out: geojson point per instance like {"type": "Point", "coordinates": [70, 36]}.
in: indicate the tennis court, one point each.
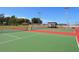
{"type": "Point", "coordinates": [39, 41]}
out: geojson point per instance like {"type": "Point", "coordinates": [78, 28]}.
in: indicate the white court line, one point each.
{"type": "Point", "coordinates": [12, 36]}
{"type": "Point", "coordinates": [18, 38]}
{"type": "Point", "coordinates": [77, 41]}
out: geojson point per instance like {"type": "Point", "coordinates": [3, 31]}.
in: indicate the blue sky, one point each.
{"type": "Point", "coordinates": [47, 14]}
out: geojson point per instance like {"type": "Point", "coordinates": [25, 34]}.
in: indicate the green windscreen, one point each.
{"type": "Point", "coordinates": [8, 29]}
{"type": "Point", "coordinates": [39, 27]}
{"type": "Point", "coordinates": [45, 27]}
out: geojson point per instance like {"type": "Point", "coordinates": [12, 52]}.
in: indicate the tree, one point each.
{"type": "Point", "coordinates": [27, 21]}
{"type": "Point", "coordinates": [36, 21]}
{"type": "Point", "coordinates": [20, 20]}
{"type": "Point", "coordinates": [23, 20]}
{"type": "Point", "coordinates": [1, 18]}
{"type": "Point", "coordinates": [7, 20]}
{"type": "Point", "coordinates": [12, 20]}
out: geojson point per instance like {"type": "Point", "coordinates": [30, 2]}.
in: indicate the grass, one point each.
{"type": "Point", "coordinates": [36, 42]}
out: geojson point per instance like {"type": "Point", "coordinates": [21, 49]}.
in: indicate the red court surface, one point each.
{"type": "Point", "coordinates": [77, 35]}
{"type": "Point", "coordinates": [53, 32]}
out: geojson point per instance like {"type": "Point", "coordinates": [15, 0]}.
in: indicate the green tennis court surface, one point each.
{"type": "Point", "coordinates": [36, 42]}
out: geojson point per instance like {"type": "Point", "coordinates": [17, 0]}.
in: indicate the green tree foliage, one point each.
{"type": "Point", "coordinates": [13, 20]}
{"type": "Point", "coordinates": [20, 20]}
{"type": "Point", "coordinates": [7, 20]}
{"type": "Point", "coordinates": [1, 18]}
{"type": "Point", "coordinates": [28, 21]}
{"type": "Point", "coordinates": [36, 21]}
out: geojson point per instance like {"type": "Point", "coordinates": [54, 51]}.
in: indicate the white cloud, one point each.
{"type": "Point", "coordinates": [21, 17]}
{"type": "Point", "coordinates": [7, 15]}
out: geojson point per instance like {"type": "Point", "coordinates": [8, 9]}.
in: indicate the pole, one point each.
{"type": "Point", "coordinates": [66, 15]}
{"type": "Point", "coordinates": [39, 14]}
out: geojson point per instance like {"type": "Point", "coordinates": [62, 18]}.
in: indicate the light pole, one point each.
{"type": "Point", "coordinates": [39, 14]}
{"type": "Point", "coordinates": [66, 15]}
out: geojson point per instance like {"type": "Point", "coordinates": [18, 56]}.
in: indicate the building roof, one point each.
{"type": "Point", "coordinates": [52, 22]}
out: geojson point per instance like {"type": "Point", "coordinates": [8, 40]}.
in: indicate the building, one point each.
{"type": "Point", "coordinates": [52, 24]}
